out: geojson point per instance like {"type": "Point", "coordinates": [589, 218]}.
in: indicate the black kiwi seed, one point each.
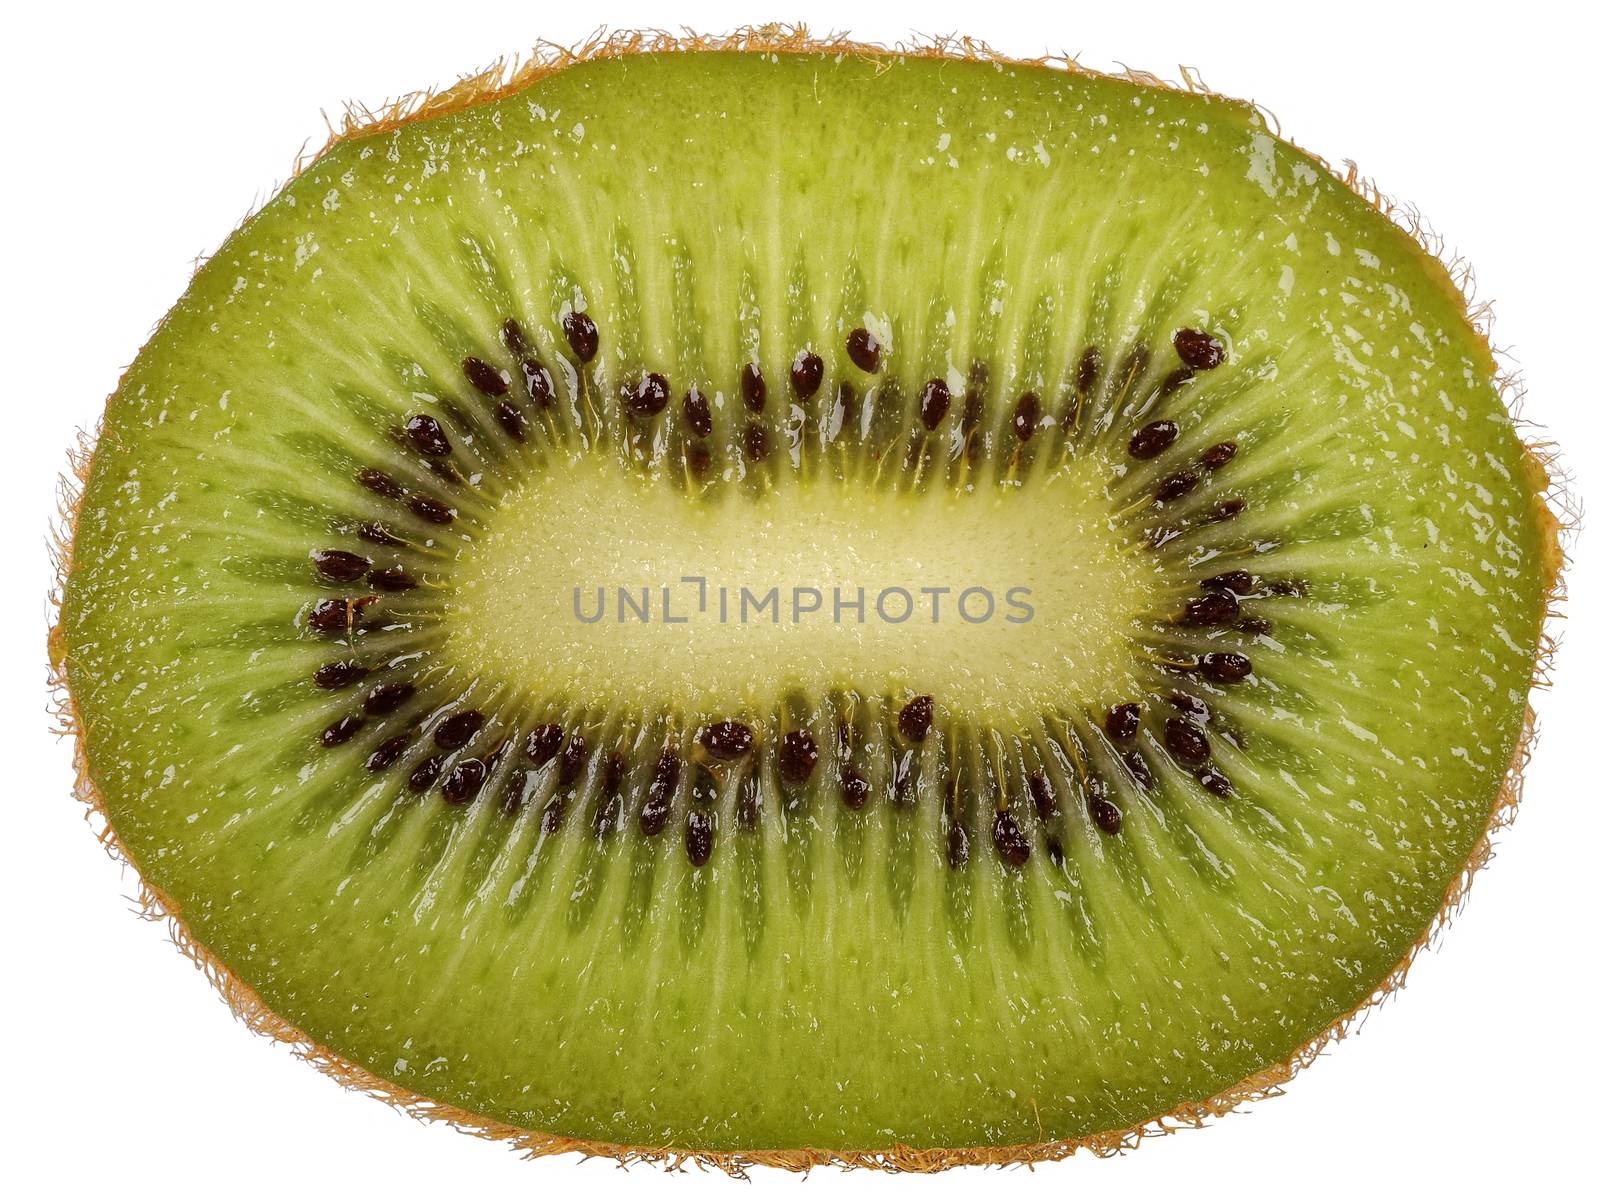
{"type": "Point", "coordinates": [1199, 349]}
{"type": "Point", "coordinates": [1122, 722]}
{"type": "Point", "coordinates": [1044, 795]}
{"type": "Point", "coordinates": [391, 579]}
{"type": "Point", "coordinates": [972, 411]}
{"type": "Point", "coordinates": [1152, 439]}
{"type": "Point", "coordinates": [431, 509]}
{"type": "Point", "coordinates": [426, 435]}
{"type": "Point", "coordinates": [698, 835]}
{"type": "Point", "coordinates": [379, 534]}
{"type": "Point", "coordinates": [1211, 609]}
{"type": "Point", "coordinates": [1008, 839]}
{"type": "Point", "coordinates": [1192, 705]}
{"type": "Point", "coordinates": [957, 845]}
{"type": "Point", "coordinates": [572, 758]}
{"type": "Point", "coordinates": [697, 412]}
{"type": "Point", "coordinates": [426, 773]}
{"type": "Point", "coordinates": [340, 566]}
{"type": "Point", "coordinates": [554, 812]}
{"type": "Point", "coordinates": [1105, 814]}
{"type": "Point", "coordinates": [1101, 811]}
{"type": "Point", "coordinates": [755, 442]}
{"type": "Point", "coordinates": [442, 468]}
{"type": "Point", "coordinates": [1224, 666]}
{"type": "Point", "coordinates": [657, 805]}
{"type": "Point", "coordinates": [1237, 582]}
{"type": "Point", "coordinates": [516, 791]}
{"type": "Point", "coordinates": [916, 718]}
{"type": "Point", "coordinates": [341, 731]}
{"type": "Point", "coordinates": [1139, 769]}
{"type": "Point", "coordinates": [338, 616]}
{"type": "Point", "coordinates": [1228, 509]}
{"type": "Point", "coordinates": [698, 458]}
{"type": "Point", "coordinates": [1214, 781]}
{"type": "Point", "coordinates": [648, 396]}
{"type": "Point", "coordinates": [977, 383]}
{"type": "Point", "coordinates": [1218, 456]}
{"type": "Point", "coordinates": [1026, 420]}
{"type": "Point", "coordinates": [1058, 857]}
{"type": "Point", "coordinates": [1255, 625]}
{"type": "Point", "coordinates": [538, 382]}
{"type": "Point", "coordinates": [386, 697]}
{"type": "Point", "coordinates": [464, 780]}
{"type": "Point", "coordinates": [608, 813]}
{"type": "Point", "coordinates": [335, 675]}
{"type": "Point", "coordinates": [511, 420]}
{"type": "Point", "coordinates": [513, 337]}
{"type": "Point", "coordinates": [582, 335]}
{"type": "Point", "coordinates": [863, 350]}
{"type": "Point", "coordinates": [753, 387]}
{"type": "Point", "coordinates": [544, 741]}
{"type": "Point", "coordinates": [1286, 587]}
{"type": "Point", "coordinates": [727, 740]}
{"type": "Point", "coordinates": [1088, 368]}
{"type": "Point", "coordinates": [387, 751]}
{"type": "Point", "coordinates": [805, 374]}
{"type": "Point", "coordinates": [1187, 742]}
{"type": "Point", "coordinates": [853, 788]}
{"type": "Point", "coordinates": [935, 402]}
{"type": "Point", "coordinates": [380, 482]}
{"type": "Point", "coordinates": [335, 616]}
{"type": "Point", "coordinates": [456, 730]}
{"type": "Point", "coordinates": [485, 378]}
{"type": "Point", "coordinates": [1174, 486]}
{"type": "Point", "coordinates": [797, 755]}
{"type": "Point", "coordinates": [1176, 378]}
{"type": "Point", "coordinates": [901, 783]}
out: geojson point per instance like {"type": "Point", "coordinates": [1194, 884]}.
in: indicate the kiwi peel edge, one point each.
{"type": "Point", "coordinates": [1557, 517]}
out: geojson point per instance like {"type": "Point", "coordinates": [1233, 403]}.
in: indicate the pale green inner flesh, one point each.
{"type": "Point", "coordinates": [1012, 623]}
{"type": "Point", "coordinates": [827, 978]}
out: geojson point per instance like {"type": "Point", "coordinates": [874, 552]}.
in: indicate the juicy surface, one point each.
{"type": "Point", "coordinates": [826, 979]}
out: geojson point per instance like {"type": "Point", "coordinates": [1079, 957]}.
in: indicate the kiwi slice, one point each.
{"type": "Point", "coordinates": [787, 602]}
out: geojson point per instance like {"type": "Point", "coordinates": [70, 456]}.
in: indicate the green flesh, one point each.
{"type": "Point", "coordinates": [828, 978]}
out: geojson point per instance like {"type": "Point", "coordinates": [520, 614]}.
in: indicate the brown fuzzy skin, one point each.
{"type": "Point", "coordinates": [1557, 520]}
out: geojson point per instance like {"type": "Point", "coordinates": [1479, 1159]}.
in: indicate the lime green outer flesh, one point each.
{"type": "Point", "coordinates": [710, 207]}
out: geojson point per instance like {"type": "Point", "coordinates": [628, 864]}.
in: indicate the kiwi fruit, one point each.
{"type": "Point", "coordinates": [788, 602]}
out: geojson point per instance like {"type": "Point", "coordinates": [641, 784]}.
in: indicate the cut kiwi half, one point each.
{"type": "Point", "coordinates": [788, 602]}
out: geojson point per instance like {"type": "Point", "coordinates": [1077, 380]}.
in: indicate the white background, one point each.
{"type": "Point", "coordinates": [135, 136]}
